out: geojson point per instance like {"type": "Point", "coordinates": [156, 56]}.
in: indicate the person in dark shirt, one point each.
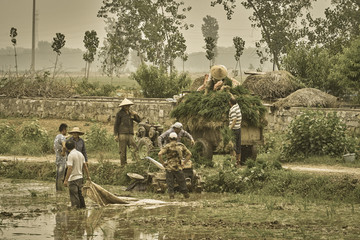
{"type": "Point", "coordinates": [79, 142]}
{"type": "Point", "coordinates": [124, 129]}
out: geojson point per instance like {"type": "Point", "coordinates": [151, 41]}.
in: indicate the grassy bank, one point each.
{"type": "Point", "coordinates": [250, 180]}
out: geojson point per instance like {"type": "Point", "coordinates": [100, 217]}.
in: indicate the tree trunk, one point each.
{"type": "Point", "coordinates": [88, 71]}
{"type": "Point", "coordinates": [16, 66]}
{"type": "Point", "coordinates": [85, 69]}
{"type": "Point", "coordinates": [57, 55]}
{"type": "Point", "coordinates": [240, 70]}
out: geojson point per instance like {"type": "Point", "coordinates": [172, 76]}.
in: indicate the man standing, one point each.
{"type": "Point", "coordinates": [235, 125]}
{"type": "Point", "coordinates": [79, 142]}
{"type": "Point", "coordinates": [178, 129]}
{"type": "Point", "coordinates": [60, 151]}
{"type": "Point", "coordinates": [74, 177]}
{"type": "Point", "coordinates": [175, 152]}
{"type": "Point", "coordinates": [124, 129]}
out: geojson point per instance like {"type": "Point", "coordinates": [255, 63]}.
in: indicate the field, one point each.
{"type": "Point", "coordinates": [284, 205]}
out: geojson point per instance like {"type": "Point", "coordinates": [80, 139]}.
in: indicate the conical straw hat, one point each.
{"type": "Point", "coordinates": [76, 130]}
{"type": "Point", "coordinates": [218, 72]}
{"type": "Point", "coordinates": [126, 102]}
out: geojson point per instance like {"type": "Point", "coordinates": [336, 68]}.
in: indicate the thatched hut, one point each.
{"type": "Point", "coordinates": [272, 85]}
{"type": "Point", "coordinates": [308, 97]}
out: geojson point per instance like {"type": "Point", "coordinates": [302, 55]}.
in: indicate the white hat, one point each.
{"type": "Point", "coordinates": [218, 72]}
{"type": "Point", "coordinates": [177, 125]}
{"type": "Point", "coordinates": [76, 130]}
{"type": "Point", "coordinates": [126, 102]}
{"type": "Point", "coordinates": [173, 135]}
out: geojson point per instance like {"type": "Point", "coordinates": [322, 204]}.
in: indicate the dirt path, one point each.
{"type": "Point", "coordinates": [321, 169]}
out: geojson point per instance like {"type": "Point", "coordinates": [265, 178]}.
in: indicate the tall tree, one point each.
{"type": "Point", "coordinates": [278, 22]}
{"type": "Point", "coordinates": [13, 34]}
{"type": "Point", "coordinates": [210, 47]}
{"type": "Point", "coordinates": [151, 27]}
{"type": "Point", "coordinates": [339, 27]}
{"type": "Point", "coordinates": [210, 28]}
{"type": "Point", "coordinates": [239, 44]}
{"type": "Point", "coordinates": [91, 43]}
{"type": "Point", "coordinates": [57, 44]}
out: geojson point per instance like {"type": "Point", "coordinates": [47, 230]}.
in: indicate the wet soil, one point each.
{"type": "Point", "coordinates": [34, 210]}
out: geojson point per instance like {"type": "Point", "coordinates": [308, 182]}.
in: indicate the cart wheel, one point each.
{"type": "Point", "coordinates": [145, 146]}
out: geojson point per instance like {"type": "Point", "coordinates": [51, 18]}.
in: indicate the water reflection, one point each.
{"type": "Point", "coordinates": [107, 223]}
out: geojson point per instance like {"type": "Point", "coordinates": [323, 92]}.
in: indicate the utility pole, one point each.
{"type": "Point", "coordinates": [32, 68]}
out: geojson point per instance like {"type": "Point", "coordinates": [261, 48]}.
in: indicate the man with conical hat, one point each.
{"type": "Point", "coordinates": [124, 129]}
{"type": "Point", "coordinates": [79, 142]}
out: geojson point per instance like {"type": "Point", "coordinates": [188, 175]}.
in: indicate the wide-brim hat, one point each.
{"type": "Point", "coordinates": [126, 102]}
{"type": "Point", "coordinates": [218, 72]}
{"type": "Point", "coordinates": [76, 130]}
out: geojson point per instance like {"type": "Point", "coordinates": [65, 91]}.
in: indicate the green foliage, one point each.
{"type": "Point", "coordinates": [312, 66]}
{"type": "Point", "coordinates": [25, 170]}
{"type": "Point", "coordinates": [86, 88]}
{"type": "Point", "coordinates": [197, 159]}
{"type": "Point", "coordinates": [316, 133]}
{"type": "Point", "coordinates": [232, 179]}
{"type": "Point", "coordinates": [210, 49]}
{"type": "Point", "coordinates": [214, 107]}
{"type": "Point", "coordinates": [278, 21]}
{"type": "Point", "coordinates": [58, 43]}
{"type": "Point", "coordinates": [99, 140]}
{"type": "Point", "coordinates": [346, 72]}
{"type": "Point", "coordinates": [8, 137]}
{"type": "Point", "coordinates": [35, 139]}
{"type": "Point", "coordinates": [157, 38]}
{"type": "Point", "coordinates": [91, 43]}
{"type": "Point", "coordinates": [338, 28]}
{"type": "Point", "coordinates": [156, 82]}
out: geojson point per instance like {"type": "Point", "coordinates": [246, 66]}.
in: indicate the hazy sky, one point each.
{"type": "Point", "coordinates": [74, 17]}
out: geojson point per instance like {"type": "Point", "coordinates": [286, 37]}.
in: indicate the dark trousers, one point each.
{"type": "Point", "coordinates": [75, 190]}
{"type": "Point", "coordinates": [237, 135]}
{"type": "Point", "coordinates": [171, 176]}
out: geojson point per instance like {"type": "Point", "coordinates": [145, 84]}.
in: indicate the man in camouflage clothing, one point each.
{"type": "Point", "coordinates": [175, 152]}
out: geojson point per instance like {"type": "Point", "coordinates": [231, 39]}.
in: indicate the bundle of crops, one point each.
{"type": "Point", "coordinates": [308, 97]}
{"type": "Point", "coordinates": [272, 85]}
{"type": "Point", "coordinates": [197, 83]}
{"type": "Point", "coordinates": [199, 111]}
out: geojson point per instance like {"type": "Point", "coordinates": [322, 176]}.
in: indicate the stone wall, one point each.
{"type": "Point", "coordinates": [280, 120]}
{"type": "Point", "coordinates": [156, 110]}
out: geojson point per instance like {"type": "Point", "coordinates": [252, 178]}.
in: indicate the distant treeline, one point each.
{"type": "Point", "coordinates": [71, 60]}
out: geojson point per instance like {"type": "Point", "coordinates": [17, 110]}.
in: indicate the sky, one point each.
{"type": "Point", "coordinates": [74, 17]}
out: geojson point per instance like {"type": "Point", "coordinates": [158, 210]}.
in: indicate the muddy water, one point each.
{"type": "Point", "coordinates": [33, 210]}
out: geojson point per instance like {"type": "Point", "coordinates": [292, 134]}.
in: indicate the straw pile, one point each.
{"type": "Point", "coordinates": [272, 85]}
{"type": "Point", "coordinates": [308, 97]}
{"type": "Point", "coordinates": [197, 83]}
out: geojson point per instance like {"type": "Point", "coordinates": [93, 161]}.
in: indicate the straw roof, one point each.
{"type": "Point", "coordinates": [272, 85]}
{"type": "Point", "coordinates": [308, 97]}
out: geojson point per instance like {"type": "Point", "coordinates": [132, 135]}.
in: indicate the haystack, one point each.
{"type": "Point", "coordinates": [272, 85]}
{"type": "Point", "coordinates": [308, 97]}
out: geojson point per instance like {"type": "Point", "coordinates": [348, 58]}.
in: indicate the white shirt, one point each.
{"type": "Point", "coordinates": [75, 159]}
{"type": "Point", "coordinates": [235, 115]}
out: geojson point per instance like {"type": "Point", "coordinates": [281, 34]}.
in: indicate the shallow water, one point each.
{"type": "Point", "coordinates": [33, 210]}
